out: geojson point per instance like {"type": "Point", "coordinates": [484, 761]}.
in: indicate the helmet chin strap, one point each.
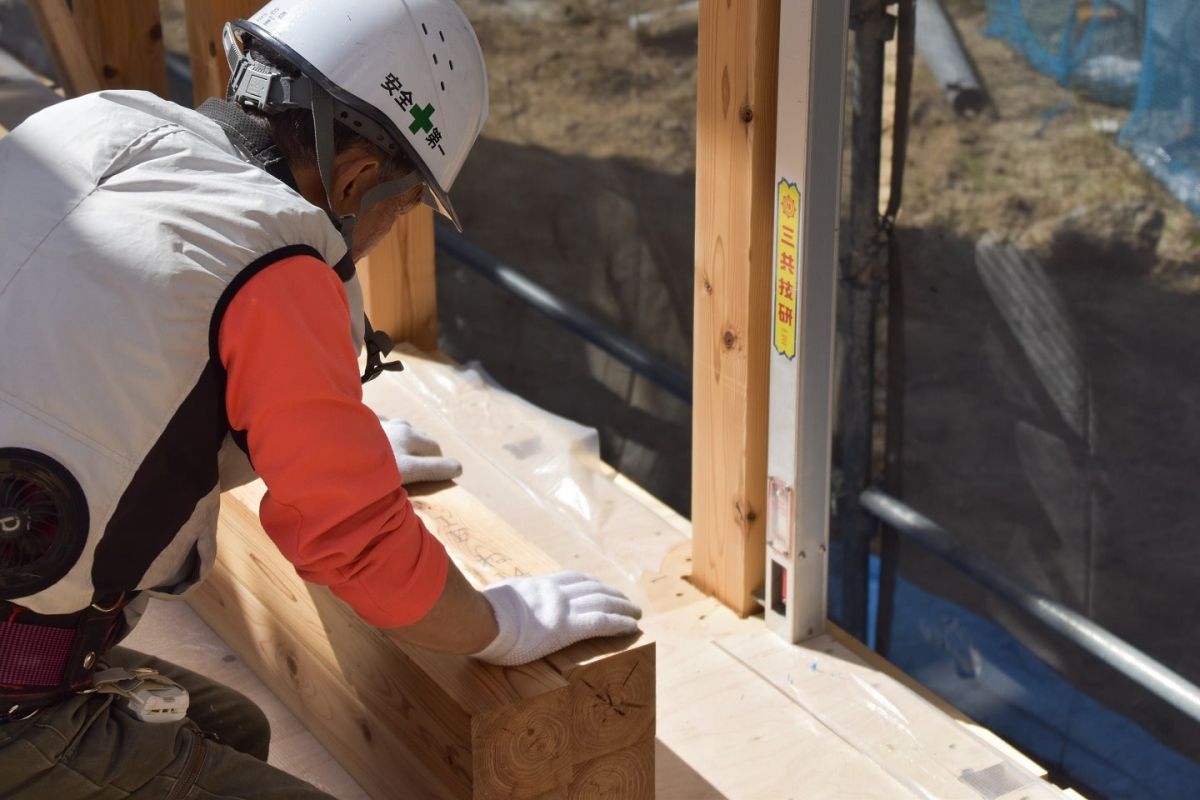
{"type": "Point", "coordinates": [323, 122]}
{"type": "Point", "coordinates": [378, 343]}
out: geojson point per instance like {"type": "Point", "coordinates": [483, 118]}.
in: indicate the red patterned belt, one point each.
{"type": "Point", "coordinates": [45, 659]}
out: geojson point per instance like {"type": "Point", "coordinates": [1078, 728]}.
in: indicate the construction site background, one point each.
{"type": "Point", "coordinates": [1051, 292]}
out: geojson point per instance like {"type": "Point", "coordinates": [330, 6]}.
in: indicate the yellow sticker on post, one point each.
{"type": "Point", "coordinates": [787, 256]}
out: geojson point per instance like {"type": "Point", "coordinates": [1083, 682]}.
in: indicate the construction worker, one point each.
{"type": "Point", "coordinates": [178, 301]}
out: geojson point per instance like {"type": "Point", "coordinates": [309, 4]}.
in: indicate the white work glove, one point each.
{"type": "Point", "coordinates": [541, 615]}
{"type": "Point", "coordinates": [418, 457]}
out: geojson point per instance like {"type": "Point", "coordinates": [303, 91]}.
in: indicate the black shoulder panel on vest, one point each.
{"type": "Point", "coordinates": [178, 471]}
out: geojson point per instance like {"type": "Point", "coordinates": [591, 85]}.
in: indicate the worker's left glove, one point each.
{"type": "Point", "coordinates": [541, 615]}
{"type": "Point", "coordinates": [419, 458]}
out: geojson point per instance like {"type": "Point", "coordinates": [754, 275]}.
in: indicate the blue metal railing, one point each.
{"type": "Point", "coordinates": [657, 371]}
{"type": "Point", "coordinates": [1112, 650]}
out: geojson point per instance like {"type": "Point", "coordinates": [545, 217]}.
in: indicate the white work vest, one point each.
{"type": "Point", "coordinates": [127, 224]}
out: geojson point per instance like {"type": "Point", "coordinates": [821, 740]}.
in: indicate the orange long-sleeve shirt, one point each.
{"type": "Point", "coordinates": [335, 504]}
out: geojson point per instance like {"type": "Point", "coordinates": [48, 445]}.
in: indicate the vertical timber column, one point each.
{"type": "Point", "coordinates": [205, 20]}
{"type": "Point", "coordinates": [61, 35]}
{"type": "Point", "coordinates": [124, 41]}
{"type": "Point", "coordinates": [735, 169]}
{"type": "Point", "coordinates": [400, 281]}
{"type": "Point", "coordinates": [398, 278]}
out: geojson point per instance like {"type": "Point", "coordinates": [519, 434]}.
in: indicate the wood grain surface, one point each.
{"type": "Point", "coordinates": [475, 730]}
{"type": "Point", "coordinates": [734, 174]}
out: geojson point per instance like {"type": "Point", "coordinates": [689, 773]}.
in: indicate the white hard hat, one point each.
{"type": "Point", "coordinates": [410, 72]}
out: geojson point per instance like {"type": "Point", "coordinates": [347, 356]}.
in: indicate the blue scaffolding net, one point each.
{"type": "Point", "coordinates": [1131, 53]}
{"type": "Point", "coordinates": [1164, 132]}
{"type": "Point", "coordinates": [1095, 47]}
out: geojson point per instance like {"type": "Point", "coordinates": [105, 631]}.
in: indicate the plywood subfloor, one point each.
{"type": "Point", "coordinates": [727, 728]}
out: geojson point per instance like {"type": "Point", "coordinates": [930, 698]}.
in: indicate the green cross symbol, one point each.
{"type": "Point", "coordinates": [422, 118]}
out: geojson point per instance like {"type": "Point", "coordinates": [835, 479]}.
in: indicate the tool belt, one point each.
{"type": "Point", "coordinates": [44, 659]}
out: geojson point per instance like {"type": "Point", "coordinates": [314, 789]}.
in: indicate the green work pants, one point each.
{"type": "Point", "coordinates": [89, 747]}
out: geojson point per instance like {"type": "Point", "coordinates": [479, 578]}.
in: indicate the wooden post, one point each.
{"type": "Point", "coordinates": [399, 280]}
{"type": "Point", "coordinates": [61, 34]}
{"type": "Point", "coordinates": [124, 42]}
{"type": "Point", "coordinates": [735, 168]}
{"type": "Point", "coordinates": [205, 21]}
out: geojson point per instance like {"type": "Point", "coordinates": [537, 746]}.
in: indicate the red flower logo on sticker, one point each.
{"type": "Point", "coordinates": [788, 207]}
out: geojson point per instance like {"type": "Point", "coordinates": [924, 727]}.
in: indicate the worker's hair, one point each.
{"type": "Point", "coordinates": [292, 130]}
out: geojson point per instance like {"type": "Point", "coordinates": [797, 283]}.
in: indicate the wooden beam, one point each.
{"type": "Point", "coordinates": [124, 41]}
{"type": "Point", "coordinates": [67, 48]}
{"type": "Point", "coordinates": [736, 109]}
{"type": "Point", "coordinates": [399, 280]}
{"type": "Point", "coordinates": [368, 747]}
{"type": "Point", "coordinates": [446, 726]}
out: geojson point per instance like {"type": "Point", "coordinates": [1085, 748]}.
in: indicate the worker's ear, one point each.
{"type": "Point", "coordinates": [356, 171]}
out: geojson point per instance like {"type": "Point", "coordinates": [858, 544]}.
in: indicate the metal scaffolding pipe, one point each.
{"type": "Point", "coordinates": [863, 271]}
{"type": "Point", "coordinates": [943, 50]}
{"type": "Point", "coordinates": [661, 374]}
{"type": "Point", "coordinates": [1112, 650]}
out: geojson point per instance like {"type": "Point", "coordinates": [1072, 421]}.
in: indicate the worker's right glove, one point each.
{"type": "Point", "coordinates": [541, 615]}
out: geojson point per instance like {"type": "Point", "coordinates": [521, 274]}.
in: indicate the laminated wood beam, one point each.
{"type": "Point", "coordinates": [67, 48]}
{"type": "Point", "coordinates": [735, 161]}
{"type": "Point", "coordinates": [124, 41]}
{"type": "Point", "coordinates": [399, 280]}
{"type": "Point", "coordinates": [439, 726]}
{"type": "Point", "coordinates": [367, 745]}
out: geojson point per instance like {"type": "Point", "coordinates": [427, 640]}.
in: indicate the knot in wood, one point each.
{"type": "Point", "coordinates": [747, 114]}
{"type": "Point", "coordinates": [744, 513]}
{"type": "Point", "coordinates": [729, 339]}
{"type": "Point", "coordinates": [613, 707]}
